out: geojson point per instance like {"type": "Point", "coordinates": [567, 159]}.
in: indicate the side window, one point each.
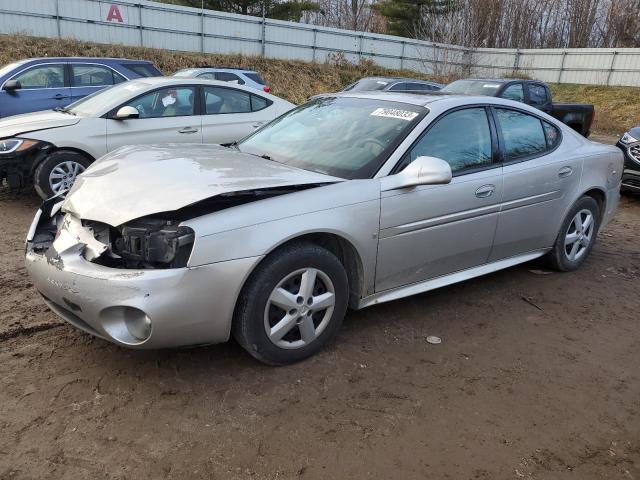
{"type": "Point", "coordinates": [462, 138]}
{"type": "Point", "coordinates": [167, 102]}
{"type": "Point", "coordinates": [514, 92]}
{"type": "Point", "coordinates": [226, 100]}
{"type": "Point", "coordinates": [537, 94]}
{"type": "Point", "coordinates": [259, 103]}
{"type": "Point", "coordinates": [90, 76]}
{"type": "Point", "coordinates": [229, 77]}
{"type": "Point", "coordinates": [399, 86]}
{"type": "Point", "coordinates": [44, 76]}
{"type": "Point", "coordinates": [207, 76]}
{"type": "Point", "coordinates": [522, 133]}
{"type": "Point", "coordinates": [551, 134]}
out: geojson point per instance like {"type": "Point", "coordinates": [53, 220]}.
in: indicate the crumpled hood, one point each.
{"type": "Point", "coordinates": [137, 181]}
{"type": "Point", "coordinates": [31, 122]}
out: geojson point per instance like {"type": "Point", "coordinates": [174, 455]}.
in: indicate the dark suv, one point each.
{"type": "Point", "coordinates": [46, 83]}
{"type": "Point", "coordinates": [629, 143]}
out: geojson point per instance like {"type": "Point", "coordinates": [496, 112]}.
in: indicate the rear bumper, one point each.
{"type": "Point", "coordinates": [180, 307]}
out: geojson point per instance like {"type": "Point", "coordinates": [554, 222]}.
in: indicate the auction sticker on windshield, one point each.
{"type": "Point", "coordinates": [394, 113]}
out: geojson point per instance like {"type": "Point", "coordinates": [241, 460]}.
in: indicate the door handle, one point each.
{"type": "Point", "coordinates": [188, 130]}
{"type": "Point", "coordinates": [258, 125]}
{"type": "Point", "coordinates": [565, 172]}
{"type": "Point", "coordinates": [60, 96]}
{"type": "Point", "coordinates": [485, 191]}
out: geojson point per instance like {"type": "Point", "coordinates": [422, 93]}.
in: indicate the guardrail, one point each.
{"type": "Point", "coordinates": [157, 25]}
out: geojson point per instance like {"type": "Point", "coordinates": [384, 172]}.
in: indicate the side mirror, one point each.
{"type": "Point", "coordinates": [127, 113]}
{"type": "Point", "coordinates": [422, 171]}
{"type": "Point", "coordinates": [12, 85]}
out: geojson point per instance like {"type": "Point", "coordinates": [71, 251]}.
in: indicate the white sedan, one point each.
{"type": "Point", "coordinates": [53, 147]}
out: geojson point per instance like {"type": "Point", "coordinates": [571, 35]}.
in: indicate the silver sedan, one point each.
{"type": "Point", "coordinates": [350, 200]}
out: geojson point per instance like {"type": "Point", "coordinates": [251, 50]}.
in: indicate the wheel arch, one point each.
{"type": "Point", "coordinates": [55, 149]}
{"type": "Point", "coordinates": [600, 196]}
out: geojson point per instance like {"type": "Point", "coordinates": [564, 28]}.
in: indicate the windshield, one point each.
{"type": "Point", "coordinates": [473, 87]}
{"type": "Point", "coordinates": [338, 136]}
{"type": "Point", "coordinates": [98, 103]}
{"type": "Point", "coordinates": [368, 85]}
{"type": "Point", "coordinates": [8, 68]}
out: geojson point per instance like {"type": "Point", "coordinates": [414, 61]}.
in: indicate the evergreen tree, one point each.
{"type": "Point", "coordinates": [281, 10]}
{"type": "Point", "coordinates": [403, 16]}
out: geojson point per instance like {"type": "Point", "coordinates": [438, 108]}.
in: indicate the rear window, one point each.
{"type": "Point", "coordinates": [255, 77]}
{"type": "Point", "coordinates": [144, 69]}
{"type": "Point", "coordinates": [473, 87]}
{"type": "Point", "coordinates": [368, 85]}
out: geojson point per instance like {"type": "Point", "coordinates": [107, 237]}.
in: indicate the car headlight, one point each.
{"type": "Point", "coordinates": [627, 139]}
{"type": "Point", "coordinates": [15, 145]}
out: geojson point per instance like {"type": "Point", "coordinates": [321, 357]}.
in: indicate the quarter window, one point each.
{"type": "Point", "coordinates": [91, 76]}
{"type": "Point", "coordinates": [514, 92]}
{"type": "Point", "coordinates": [44, 76]}
{"type": "Point", "coordinates": [522, 133]}
{"type": "Point", "coordinates": [167, 102]}
{"type": "Point", "coordinates": [462, 138]}
{"type": "Point", "coordinates": [551, 134]}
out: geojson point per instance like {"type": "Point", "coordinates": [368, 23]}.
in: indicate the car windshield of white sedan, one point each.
{"type": "Point", "coordinates": [339, 136]}
{"type": "Point", "coordinates": [103, 100]}
{"type": "Point", "coordinates": [473, 87]}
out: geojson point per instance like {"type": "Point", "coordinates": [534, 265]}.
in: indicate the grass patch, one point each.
{"type": "Point", "coordinates": [617, 108]}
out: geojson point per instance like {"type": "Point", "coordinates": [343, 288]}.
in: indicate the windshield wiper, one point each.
{"type": "Point", "coordinates": [63, 110]}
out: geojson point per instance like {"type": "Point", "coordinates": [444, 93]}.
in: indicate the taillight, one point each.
{"type": "Point", "coordinates": [266, 89]}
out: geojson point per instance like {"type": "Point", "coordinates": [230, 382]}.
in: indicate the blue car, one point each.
{"type": "Point", "coordinates": [48, 83]}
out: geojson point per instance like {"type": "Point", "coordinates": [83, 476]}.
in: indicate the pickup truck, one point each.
{"type": "Point", "coordinates": [532, 92]}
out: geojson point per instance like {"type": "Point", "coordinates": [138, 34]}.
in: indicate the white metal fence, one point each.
{"type": "Point", "coordinates": [157, 25]}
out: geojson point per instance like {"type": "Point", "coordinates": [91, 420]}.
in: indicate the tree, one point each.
{"type": "Point", "coordinates": [281, 10]}
{"type": "Point", "coordinates": [403, 16]}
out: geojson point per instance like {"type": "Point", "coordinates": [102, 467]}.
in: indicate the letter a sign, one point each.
{"type": "Point", "coordinates": [114, 14]}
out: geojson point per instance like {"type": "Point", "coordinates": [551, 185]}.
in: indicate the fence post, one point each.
{"type": "Point", "coordinates": [404, 44]}
{"type": "Point", "coordinates": [202, 31]}
{"type": "Point", "coordinates": [516, 62]}
{"type": "Point", "coordinates": [360, 48]}
{"type": "Point", "coordinates": [58, 17]}
{"type": "Point", "coordinates": [313, 47]}
{"type": "Point", "coordinates": [264, 30]}
{"type": "Point", "coordinates": [613, 61]}
{"type": "Point", "coordinates": [564, 55]}
{"type": "Point", "coordinates": [140, 24]}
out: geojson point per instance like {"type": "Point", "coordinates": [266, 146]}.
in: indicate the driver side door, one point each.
{"type": "Point", "coordinates": [433, 230]}
{"type": "Point", "coordinates": [167, 115]}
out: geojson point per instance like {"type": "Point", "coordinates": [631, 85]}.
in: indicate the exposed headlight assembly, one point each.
{"type": "Point", "coordinates": [627, 139]}
{"type": "Point", "coordinates": [15, 145]}
{"type": "Point", "coordinates": [154, 243]}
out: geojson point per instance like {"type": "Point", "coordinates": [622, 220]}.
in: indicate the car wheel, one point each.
{"type": "Point", "coordinates": [292, 305]}
{"type": "Point", "coordinates": [57, 172]}
{"type": "Point", "coordinates": [577, 236]}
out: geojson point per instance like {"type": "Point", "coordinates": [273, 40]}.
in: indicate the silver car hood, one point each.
{"type": "Point", "coordinates": [31, 122]}
{"type": "Point", "coordinates": [137, 181]}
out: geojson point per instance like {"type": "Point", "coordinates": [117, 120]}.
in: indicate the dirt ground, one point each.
{"type": "Point", "coordinates": [537, 377]}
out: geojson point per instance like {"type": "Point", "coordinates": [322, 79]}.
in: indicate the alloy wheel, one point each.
{"type": "Point", "coordinates": [63, 175]}
{"type": "Point", "coordinates": [299, 308]}
{"type": "Point", "coordinates": [579, 235]}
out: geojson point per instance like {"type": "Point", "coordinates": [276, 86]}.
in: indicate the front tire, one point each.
{"type": "Point", "coordinates": [577, 236]}
{"type": "Point", "coordinates": [292, 305]}
{"type": "Point", "coordinates": [57, 172]}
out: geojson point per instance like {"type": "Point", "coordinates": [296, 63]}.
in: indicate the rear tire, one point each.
{"type": "Point", "coordinates": [292, 305]}
{"type": "Point", "coordinates": [577, 236]}
{"type": "Point", "coordinates": [57, 172]}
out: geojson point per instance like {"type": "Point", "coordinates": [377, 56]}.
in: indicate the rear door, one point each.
{"type": "Point", "coordinates": [88, 78]}
{"type": "Point", "coordinates": [167, 115]}
{"type": "Point", "coordinates": [434, 230]}
{"type": "Point", "coordinates": [538, 183]}
{"type": "Point", "coordinates": [230, 114]}
{"type": "Point", "coordinates": [43, 87]}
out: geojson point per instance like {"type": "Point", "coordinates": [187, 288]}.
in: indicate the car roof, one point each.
{"type": "Point", "coordinates": [420, 99]}
{"type": "Point", "coordinates": [395, 79]}
{"type": "Point", "coordinates": [497, 80]}
{"type": "Point", "coordinates": [83, 59]}
{"type": "Point", "coordinates": [229, 69]}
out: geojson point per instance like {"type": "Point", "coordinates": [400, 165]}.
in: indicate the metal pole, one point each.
{"type": "Point", "coordinates": [140, 24]}
{"type": "Point", "coordinates": [315, 36]}
{"type": "Point", "coordinates": [613, 61]}
{"type": "Point", "coordinates": [202, 27]}
{"type": "Point", "coordinates": [264, 29]}
{"type": "Point", "coordinates": [58, 17]}
{"type": "Point", "coordinates": [404, 44]}
{"type": "Point", "coordinates": [516, 62]}
{"type": "Point", "coordinates": [564, 55]}
{"type": "Point", "coordinates": [360, 49]}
